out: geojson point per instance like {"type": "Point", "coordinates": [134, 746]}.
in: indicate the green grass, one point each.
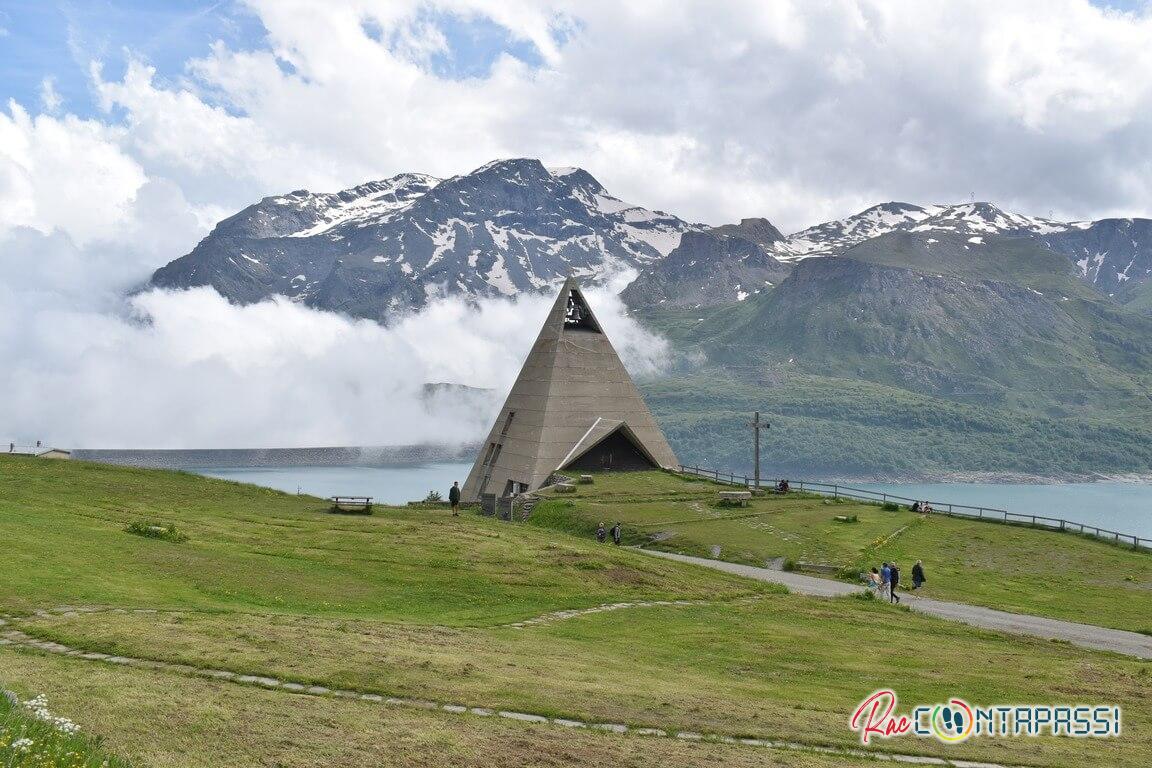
{"type": "Point", "coordinates": [28, 741]}
{"type": "Point", "coordinates": [1012, 568]}
{"type": "Point", "coordinates": [411, 602]}
{"type": "Point", "coordinates": [254, 549]}
{"type": "Point", "coordinates": [780, 665]}
{"type": "Point", "coordinates": [167, 721]}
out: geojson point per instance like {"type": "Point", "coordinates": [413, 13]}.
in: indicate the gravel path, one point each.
{"type": "Point", "coordinates": [1085, 635]}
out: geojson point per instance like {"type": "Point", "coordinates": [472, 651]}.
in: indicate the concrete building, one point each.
{"type": "Point", "coordinates": [573, 407]}
{"type": "Point", "coordinates": [55, 453]}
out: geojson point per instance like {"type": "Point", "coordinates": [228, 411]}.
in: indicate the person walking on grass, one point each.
{"type": "Point", "coordinates": [885, 578]}
{"type": "Point", "coordinates": [918, 575]}
{"type": "Point", "coordinates": [616, 534]}
{"type": "Point", "coordinates": [454, 498]}
{"type": "Point", "coordinates": [600, 533]}
{"type": "Point", "coordinates": [893, 582]}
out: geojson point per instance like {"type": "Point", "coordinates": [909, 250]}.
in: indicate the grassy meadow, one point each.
{"type": "Point", "coordinates": [415, 603]}
{"type": "Point", "coordinates": [1013, 568]}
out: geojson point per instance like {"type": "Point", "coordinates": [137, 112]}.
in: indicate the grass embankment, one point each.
{"type": "Point", "coordinates": [410, 603]}
{"type": "Point", "coordinates": [1013, 568]}
{"type": "Point", "coordinates": [32, 737]}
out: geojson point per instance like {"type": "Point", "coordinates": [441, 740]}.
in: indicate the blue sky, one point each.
{"type": "Point", "coordinates": [58, 39]}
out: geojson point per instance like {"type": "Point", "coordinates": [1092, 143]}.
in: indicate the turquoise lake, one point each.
{"type": "Point", "coordinates": [1123, 507]}
{"type": "Point", "coordinates": [387, 485]}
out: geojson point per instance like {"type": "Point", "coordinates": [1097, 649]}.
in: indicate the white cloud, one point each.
{"type": "Point", "coordinates": [795, 110]}
{"type": "Point", "coordinates": [187, 369]}
{"type": "Point", "coordinates": [64, 173]}
{"type": "Point", "coordinates": [50, 99]}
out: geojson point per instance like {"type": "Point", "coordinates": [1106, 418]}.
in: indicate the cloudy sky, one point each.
{"type": "Point", "coordinates": [128, 127]}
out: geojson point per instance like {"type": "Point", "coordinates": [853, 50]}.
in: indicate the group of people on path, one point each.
{"type": "Point", "coordinates": [602, 534]}
{"type": "Point", "coordinates": [886, 579]}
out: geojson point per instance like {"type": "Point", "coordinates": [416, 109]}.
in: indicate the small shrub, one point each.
{"type": "Point", "coordinates": [433, 496]}
{"type": "Point", "coordinates": [153, 530]}
{"type": "Point", "coordinates": [891, 506]}
{"type": "Point", "coordinates": [788, 565]}
{"type": "Point", "coordinates": [865, 595]}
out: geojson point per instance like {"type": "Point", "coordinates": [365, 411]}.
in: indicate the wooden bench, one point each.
{"type": "Point", "coordinates": [735, 497]}
{"type": "Point", "coordinates": [361, 505]}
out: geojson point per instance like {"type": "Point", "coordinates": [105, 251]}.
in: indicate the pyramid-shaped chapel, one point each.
{"type": "Point", "coordinates": [573, 407]}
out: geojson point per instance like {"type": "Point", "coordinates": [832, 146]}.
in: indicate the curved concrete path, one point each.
{"type": "Point", "coordinates": [1084, 635]}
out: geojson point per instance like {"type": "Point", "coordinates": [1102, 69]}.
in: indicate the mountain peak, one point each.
{"type": "Point", "coordinates": [513, 166]}
{"type": "Point", "coordinates": [757, 230]}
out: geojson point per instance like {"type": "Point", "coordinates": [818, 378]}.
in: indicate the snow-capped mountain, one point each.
{"type": "Point", "coordinates": [975, 219]}
{"type": "Point", "coordinates": [1115, 255]}
{"type": "Point", "coordinates": [728, 263]}
{"type": "Point", "coordinates": [386, 246]}
{"type": "Point", "coordinates": [380, 248]}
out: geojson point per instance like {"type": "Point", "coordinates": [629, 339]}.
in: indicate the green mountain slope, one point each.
{"type": "Point", "coordinates": [918, 356]}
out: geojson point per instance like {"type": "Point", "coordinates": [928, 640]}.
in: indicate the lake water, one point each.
{"type": "Point", "coordinates": [387, 485]}
{"type": "Point", "coordinates": [1123, 507]}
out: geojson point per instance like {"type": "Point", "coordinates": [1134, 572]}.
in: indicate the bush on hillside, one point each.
{"type": "Point", "coordinates": [153, 530]}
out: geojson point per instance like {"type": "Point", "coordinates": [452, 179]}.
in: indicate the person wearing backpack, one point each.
{"type": "Point", "coordinates": [616, 534]}
{"type": "Point", "coordinates": [918, 575]}
{"type": "Point", "coordinates": [893, 582]}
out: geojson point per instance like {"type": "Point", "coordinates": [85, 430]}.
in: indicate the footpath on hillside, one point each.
{"type": "Point", "coordinates": [1084, 635]}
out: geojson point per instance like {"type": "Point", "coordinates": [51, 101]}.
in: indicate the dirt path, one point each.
{"type": "Point", "coordinates": [1084, 635]}
{"type": "Point", "coordinates": [15, 638]}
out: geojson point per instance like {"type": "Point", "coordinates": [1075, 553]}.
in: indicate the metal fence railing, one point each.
{"type": "Point", "coordinates": [21, 450]}
{"type": "Point", "coordinates": [990, 514]}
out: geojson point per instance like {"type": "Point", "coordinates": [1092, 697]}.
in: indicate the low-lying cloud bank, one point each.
{"type": "Point", "coordinates": [83, 366]}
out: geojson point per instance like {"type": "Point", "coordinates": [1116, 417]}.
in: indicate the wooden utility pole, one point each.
{"type": "Point", "coordinates": [756, 424]}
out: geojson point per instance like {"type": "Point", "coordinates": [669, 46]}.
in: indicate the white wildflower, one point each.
{"type": "Point", "coordinates": [22, 745]}
{"type": "Point", "coordinates": [39, 709]}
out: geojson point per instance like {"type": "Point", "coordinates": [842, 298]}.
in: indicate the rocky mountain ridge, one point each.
{"type": "Point", "coordinates": [385, 247]}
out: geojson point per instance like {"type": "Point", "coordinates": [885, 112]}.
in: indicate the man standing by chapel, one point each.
{"type": "Point", "coordinates": [454, 498]}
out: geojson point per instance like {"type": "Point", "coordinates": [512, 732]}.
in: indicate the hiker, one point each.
{"type": "Point", "coordinates": [893, 582]}
{"type": "Point", "coordinates": [872, 579]}
{"type": "Point", "coordinates": [600, 533]}
{"type": "Point", "coordinates": [925, 507]}
{"type": "Point", "coordinates": [454, 498]}
{"type": "Point", "coordinates": [616, 534]}
{"type": "Point", "coordinates": [918, 575]}
{"type": "Point", "coordinates": [915, 506]}
{"type": "Point", "coordinates": [885, 577]}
